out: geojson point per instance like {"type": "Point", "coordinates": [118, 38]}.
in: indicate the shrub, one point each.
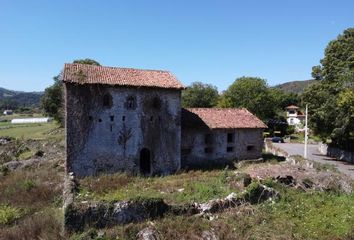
{"type": "Point", "coordinates": [9, 214]}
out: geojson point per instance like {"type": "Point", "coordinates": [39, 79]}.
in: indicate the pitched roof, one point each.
{"type": "Point", "coordinates": [91, 74]}
{"type": "Point", "coordinates": [292, 107]}
{"type": "Point", "coordinates": [220, 118]}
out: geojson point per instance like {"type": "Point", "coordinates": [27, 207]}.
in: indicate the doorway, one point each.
{"type": "Point", "coordinates": [145, 162]}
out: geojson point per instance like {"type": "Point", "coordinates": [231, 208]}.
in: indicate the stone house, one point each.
{"type": "Point", "coordinates": [220, 134]}
{"type": "Point", "coordinates": [123, 119]}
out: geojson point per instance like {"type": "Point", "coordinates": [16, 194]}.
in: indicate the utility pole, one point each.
{"type": "Point", "coordinates": [306, 134]}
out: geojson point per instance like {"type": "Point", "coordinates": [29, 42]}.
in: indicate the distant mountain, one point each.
{"type": "Point", "coordinates": [295, 86]}
{"type": "Point", "coordinates": [14, 99]}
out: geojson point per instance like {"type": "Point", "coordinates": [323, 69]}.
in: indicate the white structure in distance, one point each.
{"type": "Point", "coordinates": [294, 116]}
{"type": "Point", "coordinates": [31, 120]}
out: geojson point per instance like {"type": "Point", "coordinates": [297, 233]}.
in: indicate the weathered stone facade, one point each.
{"type": "Point", "coordinates": [122, 119]}
{"type": "Point", "coordinates": [110, 129]}
{"type": "Point", "coordinates": [202, 145]}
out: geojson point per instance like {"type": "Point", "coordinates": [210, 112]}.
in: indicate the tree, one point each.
{"type": "Point", "coordinates": [331, 99]}
{"type": "Point", "coordinates": [283, 99]}
{"type": "Point", "coordinates": [251, 93]}
{"type": "Point", "coordinates": [87, 61]}
{"type": "Point", "coordinates": [200, 95]}
{"type": "Point", "coordinates": [52, 100]}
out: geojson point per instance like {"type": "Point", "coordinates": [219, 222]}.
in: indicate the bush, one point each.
{"type": "Point", "coordinates": [8, 214]}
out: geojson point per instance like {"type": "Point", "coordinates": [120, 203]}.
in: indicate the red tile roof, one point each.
{"type": "Point", "coordinates": [220, 118]}
{"type": "Point", "coordinates": [91, 74]}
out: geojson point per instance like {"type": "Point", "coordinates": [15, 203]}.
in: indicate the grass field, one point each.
{"type": "Point", "coordinates": [28, 131]}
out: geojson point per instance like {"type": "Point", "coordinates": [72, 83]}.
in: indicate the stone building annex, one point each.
{"type": "Point", "coordinates": [123, 119]}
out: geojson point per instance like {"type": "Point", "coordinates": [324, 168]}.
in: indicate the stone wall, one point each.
{"type": "Point", "coordinates": [336, 153]}
{"type": "Point", "coordinates": [220, 144]}
{"type": "Point", "coordinates": [110, 129]}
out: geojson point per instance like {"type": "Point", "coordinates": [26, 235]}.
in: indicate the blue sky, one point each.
{"type": "Point", "coordinates": [212, 41]}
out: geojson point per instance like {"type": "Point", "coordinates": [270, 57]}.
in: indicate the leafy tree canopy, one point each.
{"type": "Point", "coordinates": [87, 61]}
{"type": "Point", "coordinates": [200, 95]}
{"type": "Point", "coordinates": [331, 99]}
{"type": "Point", "coordinates": [52, 100]}
{"type": "Point", "coordinates": [251, 93]}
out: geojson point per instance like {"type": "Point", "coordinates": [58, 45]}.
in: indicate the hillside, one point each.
{"type": "Point", "coordinates": [295, 86]}
{"type": "Point", "coordinates": [14, 99]}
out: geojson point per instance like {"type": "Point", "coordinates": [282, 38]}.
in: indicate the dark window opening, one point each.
{"type": "Point", "coordinates": [123, 118]}
{"type": "Point", "coordinates": [208, 150]}
{"type": "Point", "coordinates": [99, 120]}
{"type": "Point", "coordinates": [151, 118]}
{"type": "Point", "coordinates": [156, 103]}
{"type": "Point", "coordinates": [111, 128]}
{"type": "Point", "coordinates": [145, 162]}
{"type": "Point", "coordinates": [107, 100]}
{"type": "Point", "coordinates": [230, 149]}
{"type": "Point", "coordinates": [208, 138]}
{"type": "Point", "coordinates": [112, 118]}
{"type": "Point", "coordinates": [250, 147]}
{"type": "Point", "coordinates": [186, 151]}
{"type": "Point", "coordinates": [90, 118]}
{"type": "Point", "coordinates": [131, 102]}
{"type": "Point", "coordinates": [230, 137]}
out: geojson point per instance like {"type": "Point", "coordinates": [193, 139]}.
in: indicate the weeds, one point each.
{"type": "Point", "coordinates": [43, 225]}
{"type": "Point", "coordinates": [9, 214]}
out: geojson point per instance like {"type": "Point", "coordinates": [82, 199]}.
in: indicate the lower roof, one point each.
{"type": "Point", "coordinates": [220, 118]}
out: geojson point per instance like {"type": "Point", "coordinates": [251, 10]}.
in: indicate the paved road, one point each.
{"type": "Point", "coordinates": [315, 155]}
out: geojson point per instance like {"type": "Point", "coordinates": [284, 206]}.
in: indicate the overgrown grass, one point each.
{"type": "Point", "coordinates": [29, 189]}
{"type": "Point", "coordinates": [42, 225]}
{"type": "Point", "coordinates": [179, 188]}
{"type": "Point", "coordinates": [8, 214]}
{"type": "Point", "coordinates": [298, 215]}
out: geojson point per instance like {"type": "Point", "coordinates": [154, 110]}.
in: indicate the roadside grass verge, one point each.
{"type": "Point", "coordinates": [184, 187]}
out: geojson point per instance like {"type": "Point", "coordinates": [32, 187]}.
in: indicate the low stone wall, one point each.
{"type": "Point", "coordinates": [86, 214]}
{"type": "Point", "coordinates": [270, 148]}
{"type": "Point", "coordinates": [322, 148]}
{"type": "Point", "coordinates": [340, 154]}
{"type": "Point", "coordinates": [336, 153]}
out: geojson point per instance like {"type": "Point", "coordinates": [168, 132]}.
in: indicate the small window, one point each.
{"type": "Point", "coordinates": [107, 100]}
{"type": "Point", "coordinates": [111, 127]}
{"type": "Point", "coordinates": [90, 118]}
{"type": "Point", "coordinates": [130, 102]}
{"type": "Point", "coordinates": [123, 118]}
{"type": "Point", "coordinates": [208, 150]}
{"type": "Point", "coordinates": [112, 118]}
{"type": "Point", "coordinates": [208, 138]}
{"type": "Point", "coordinates": [151, 118]}
{"type": "Point", "coordinates": [99, 120]}
{"type": "Point", "coordinates": [250, 147]}
{"type": "Point", "coordinates": [156, 103]}
{"type": "Point", "coordinates": [230, 137]}
{"type": "Point", "coordinates": [186, 151]}
{"type": "Point", "coordinates": [230, 149]}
